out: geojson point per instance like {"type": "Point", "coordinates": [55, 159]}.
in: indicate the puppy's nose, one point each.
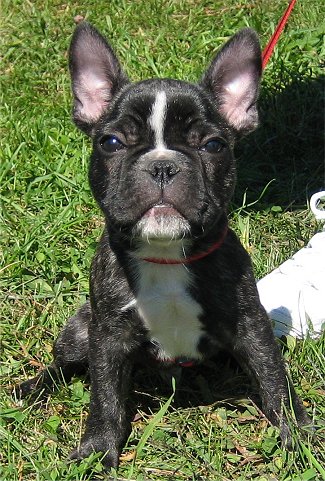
{"type": "Point", "coordinates": [163, 172]}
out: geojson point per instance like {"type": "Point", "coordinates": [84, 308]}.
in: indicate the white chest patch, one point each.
{"type": "Point", "coordinates": [169, 311]}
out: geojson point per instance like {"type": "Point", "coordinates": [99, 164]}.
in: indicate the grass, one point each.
{"type": "Point", "coordinates": [213, 429]}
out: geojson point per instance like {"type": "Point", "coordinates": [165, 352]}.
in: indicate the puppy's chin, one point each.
{"type": "Point", "coordinates": [162, 223]}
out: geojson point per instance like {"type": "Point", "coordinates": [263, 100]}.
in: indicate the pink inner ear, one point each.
{"type": "Point", "coordinates": [93, 94]}
{"type": "Point", "coordinates": [236, 99]}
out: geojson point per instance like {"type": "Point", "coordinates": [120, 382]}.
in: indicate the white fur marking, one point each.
{"type": "Point", "coordinates": [169, 311]}
{"type": "Point", "coordinates": [129, 305]}
{"type": "Point", "coordinates": [157, 119]}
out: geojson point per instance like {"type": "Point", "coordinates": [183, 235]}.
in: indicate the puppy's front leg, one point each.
{"type": "Point", "coordinates": [110, 366]}
{"type": "Point", "coordinates": [256, 349]}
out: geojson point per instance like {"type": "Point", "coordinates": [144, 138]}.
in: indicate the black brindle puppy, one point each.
{"type": "Point", "coordinates": [170, 279]}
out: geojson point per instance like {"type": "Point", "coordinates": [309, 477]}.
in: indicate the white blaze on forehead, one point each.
{"type": "Point", "coordinates": [157, 119]}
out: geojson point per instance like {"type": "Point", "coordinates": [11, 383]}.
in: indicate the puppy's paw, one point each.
{"type": "Point", "coordinates": [40, 386]}
{"type": "Point", "coordinates": [292, 428]}
{"type": "Point", "coordinates": [302, 418]}
{"type": "Point", "coordinates": [97, 444]}
{"type": "Point", "coordinates": [26, 388]}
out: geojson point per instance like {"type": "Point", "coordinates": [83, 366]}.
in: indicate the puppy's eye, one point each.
{"type": "Point", "coordinates": [214, 146]}
{"type": "Point", "coordinates": [111, 143]}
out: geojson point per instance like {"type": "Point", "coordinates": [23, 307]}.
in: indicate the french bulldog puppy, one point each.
{"type": "Point", "coordinates": [170, 280]}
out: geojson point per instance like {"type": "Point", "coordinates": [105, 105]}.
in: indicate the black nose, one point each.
{"type": "Point", "coordinates": [163, 172]}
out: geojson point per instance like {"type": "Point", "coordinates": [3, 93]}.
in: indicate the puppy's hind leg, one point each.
{"type": "Point", "coordinates": [259, 354]}
{"type": "Point", "coordinates": [70, 357]}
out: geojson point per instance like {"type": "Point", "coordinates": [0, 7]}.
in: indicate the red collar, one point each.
{"type": "Point", "coordinates": [196, 257]}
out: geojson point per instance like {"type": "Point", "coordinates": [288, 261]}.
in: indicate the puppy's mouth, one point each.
{"type": "Point", "coordinates": [162, 222]}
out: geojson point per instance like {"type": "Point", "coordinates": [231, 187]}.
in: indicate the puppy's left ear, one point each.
{"type": "Point", "coordinates": [233, 78]}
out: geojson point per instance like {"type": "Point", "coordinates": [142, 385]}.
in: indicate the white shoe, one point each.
{"type": "Point", "coordinates": [294, 293]}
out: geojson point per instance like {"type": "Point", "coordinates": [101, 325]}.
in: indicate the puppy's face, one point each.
{"type": "Point", "coordinates": [162, 163]}
{"type": "Point", "coordinates": [164, 158]}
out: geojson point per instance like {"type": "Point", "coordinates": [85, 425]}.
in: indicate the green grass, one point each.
{"type": "Point", "coordinates": [50, 224]}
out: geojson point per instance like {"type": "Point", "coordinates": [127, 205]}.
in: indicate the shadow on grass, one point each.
{"type": "Point", "coordinates": [218, 379]}
{"type": "Point", "coordinates": [287, 147]}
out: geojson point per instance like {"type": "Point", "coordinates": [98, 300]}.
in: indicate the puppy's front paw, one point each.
{"type": "Point", "coordinates": [291, 425]}
{"type": "Point", "coordinates": [302, 418]}
{"type": "Point", "coordinates": [97, 444]}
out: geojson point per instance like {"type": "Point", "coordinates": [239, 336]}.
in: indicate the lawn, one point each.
{"type": "Point", "coordinates": [212, 428]}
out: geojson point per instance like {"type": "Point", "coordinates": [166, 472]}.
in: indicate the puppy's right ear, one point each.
{"type": "Point", "coordinates": [233, 79]}
{"type": "Point", "coordinates": [96, 75]}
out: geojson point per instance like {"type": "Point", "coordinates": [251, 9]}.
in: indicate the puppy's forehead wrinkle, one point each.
{"type": "Point", "coordinates": [158, 109]}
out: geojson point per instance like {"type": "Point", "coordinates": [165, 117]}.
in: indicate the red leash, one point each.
{"type": "Point", "coordinates": [267, 52]}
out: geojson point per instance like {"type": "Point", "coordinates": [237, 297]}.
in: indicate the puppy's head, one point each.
{"type": "Point", "coordinates": [162, 164]}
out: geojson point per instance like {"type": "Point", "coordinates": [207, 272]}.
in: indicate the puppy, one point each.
{"type": "Point", "coordinates": [170, 280]}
